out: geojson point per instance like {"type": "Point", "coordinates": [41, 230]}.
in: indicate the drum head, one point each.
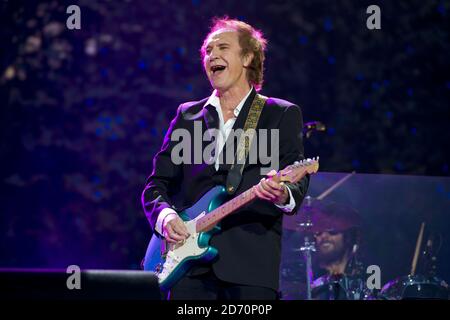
{"type": "Point", "coordinates": [340, 288]}
{"type": "Point", "coordinates": [415, 287]}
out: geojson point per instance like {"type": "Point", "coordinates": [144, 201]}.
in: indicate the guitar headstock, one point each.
{"type": "Point", "coordinates": [294, 172]}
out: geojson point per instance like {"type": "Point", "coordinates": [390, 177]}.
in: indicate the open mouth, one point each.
{"type": "Point", "coordinates": [217, 69]}
{"type": "Point", "coordinates": [325, 244]}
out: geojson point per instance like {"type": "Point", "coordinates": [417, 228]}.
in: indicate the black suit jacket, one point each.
{"type": "Point", "coordinates": [249, 243]}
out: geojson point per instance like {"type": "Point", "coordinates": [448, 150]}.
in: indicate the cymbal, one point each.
{"type": "Point", "coordinates": [324, 215]}
{"type": "Point", "coordinates": [292, 222]}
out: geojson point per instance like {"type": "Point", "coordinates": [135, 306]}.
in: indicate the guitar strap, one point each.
{"type": "Point", "coordinates": [234, 176]}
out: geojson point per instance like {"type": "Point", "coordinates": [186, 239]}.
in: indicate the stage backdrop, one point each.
{"type": "Point", "coordinates": [82, 113]}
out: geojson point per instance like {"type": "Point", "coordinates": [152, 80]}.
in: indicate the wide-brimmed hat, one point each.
{"type": "Point", "coordinates": [329, 215]}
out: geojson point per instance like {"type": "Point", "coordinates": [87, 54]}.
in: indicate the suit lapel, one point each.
{"type": "Point", "coordinates": [211, 117]}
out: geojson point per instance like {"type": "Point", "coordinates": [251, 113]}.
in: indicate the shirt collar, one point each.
{"type": "Point", "coordinates": [215, 102]}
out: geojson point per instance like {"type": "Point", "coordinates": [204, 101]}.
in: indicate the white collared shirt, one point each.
{"type": "Point", "coordinates": [225, 129]}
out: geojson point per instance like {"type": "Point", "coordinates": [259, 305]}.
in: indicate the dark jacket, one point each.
{"type": "Point", "coordinates": [249, 243]}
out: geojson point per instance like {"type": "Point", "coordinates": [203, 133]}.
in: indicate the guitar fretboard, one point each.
{"type": "Point", "coordinates": [211, 219]}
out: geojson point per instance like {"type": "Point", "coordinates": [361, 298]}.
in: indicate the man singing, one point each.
{"type": "Point", "coordinates": [249, 241]}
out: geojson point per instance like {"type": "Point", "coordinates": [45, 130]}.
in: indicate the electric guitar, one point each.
{"type": "Point", "coordinates": [171, 261]}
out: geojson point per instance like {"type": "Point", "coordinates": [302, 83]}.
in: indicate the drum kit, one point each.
{"type": "Point", "coordinates": [418, 286]}
{"type": "Point", "coordinates": [424, 285]}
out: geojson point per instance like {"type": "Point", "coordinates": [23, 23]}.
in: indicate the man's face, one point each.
{"type": "Point", "coordinates": [330, 246]}
{"type": "Point", "coordinates": [222, 61]}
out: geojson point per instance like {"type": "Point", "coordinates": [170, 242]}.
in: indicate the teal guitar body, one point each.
{"type": "Point", "coordinates": [174, 264]}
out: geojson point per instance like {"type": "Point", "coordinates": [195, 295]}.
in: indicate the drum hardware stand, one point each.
{"type": "Point", "coordinates": [429, 255]}
{"type": "Point", "coordinates": [308, 246]}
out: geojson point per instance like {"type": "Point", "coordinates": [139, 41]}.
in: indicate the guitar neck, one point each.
{"type": "Point", "coordinates": [292, 173]}
{"type": "Point", "coordinates": [211, 219]}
